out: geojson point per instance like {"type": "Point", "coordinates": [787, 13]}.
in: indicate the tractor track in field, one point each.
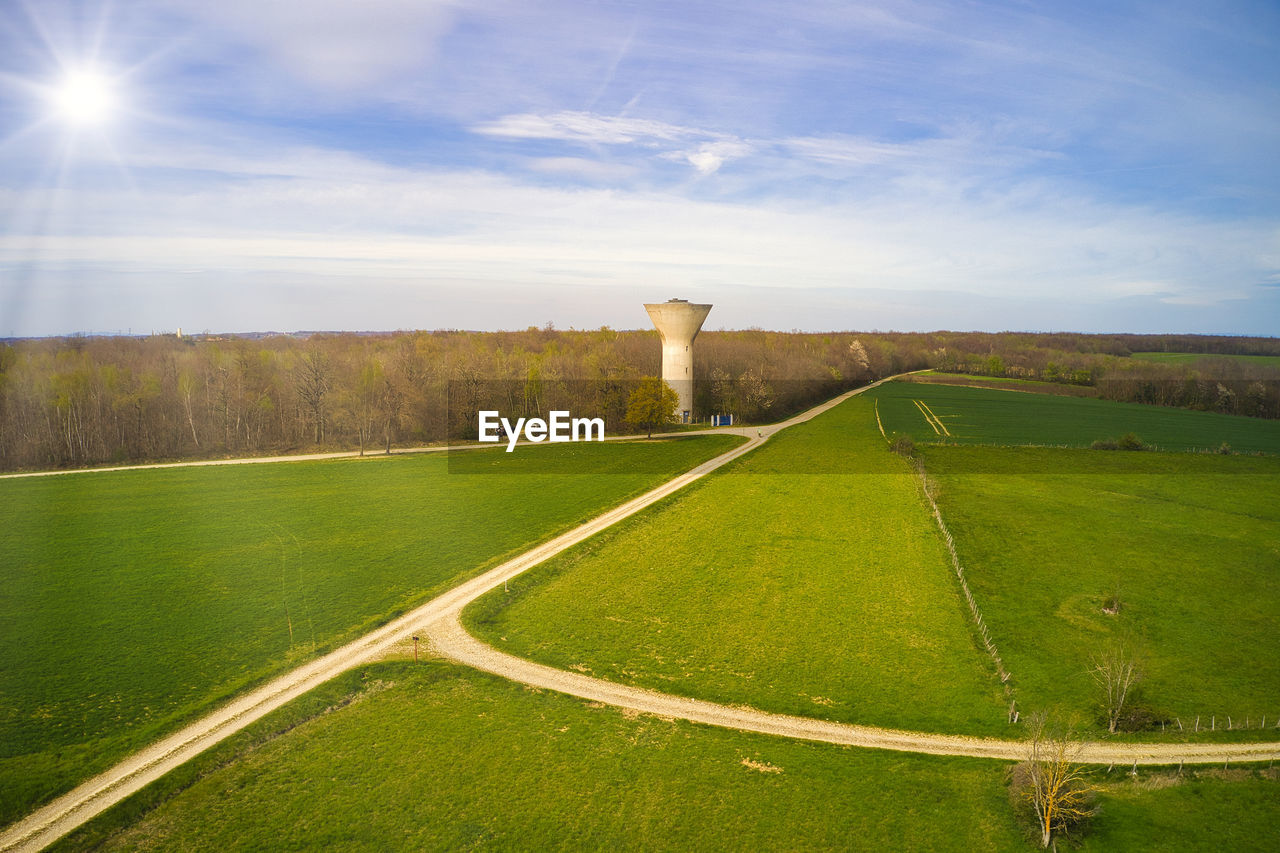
{"type": "Point", "coordinates": [439, 621]}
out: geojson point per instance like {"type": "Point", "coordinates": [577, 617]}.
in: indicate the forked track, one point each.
{"type": "Point", "coordinates": [439, 620]}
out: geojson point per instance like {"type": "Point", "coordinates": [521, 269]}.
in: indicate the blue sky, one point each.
{"type": "Point", "coordinates": [809, 165]}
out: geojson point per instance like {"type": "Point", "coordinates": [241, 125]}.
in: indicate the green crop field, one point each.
{"type": "Point", "coordinates": [1192, 357]}
{"type": "Point", "coordinates": [1190, 543]}
{"type": "Point", "coordinates": [960, 415]}
{"type": "Point", "coordinates": [134, 600]}
{"type": "Point", "coordinates": [806, 578]}
{"type": "Point", "coordinates": [435, 757]}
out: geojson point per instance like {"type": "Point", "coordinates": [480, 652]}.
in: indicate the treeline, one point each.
{"type": "Point", "coordinates": [91, 400]}
{"type": "Point", "coordinates": [1212, 381]}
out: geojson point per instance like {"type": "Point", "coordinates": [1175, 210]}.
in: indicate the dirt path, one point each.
{"type": "Point", "coordinates": [79, 805]}
{"type": "Point", "coordinates": [340, 454]}
{"type": "Point", "coordinates": [438, 620]}
{"type": "Point", "coordinates": [450, 639]}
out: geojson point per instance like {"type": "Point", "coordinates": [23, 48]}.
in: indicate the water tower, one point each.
{"type": "Point", "coordinates": [678, 322]}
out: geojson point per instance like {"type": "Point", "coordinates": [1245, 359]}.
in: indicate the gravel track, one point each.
{"type": "Point", "coordinates": [438, 619]}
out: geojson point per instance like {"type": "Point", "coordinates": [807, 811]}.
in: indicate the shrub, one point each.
{"type": "Point", "coordinates": [1141, 718]}
{"type": "Point", "coordinates": [1105, 444]}
{"type": "Point", "coordinates": [1129, 441]}
{"type": "Point", "coordinates": [903, 445]}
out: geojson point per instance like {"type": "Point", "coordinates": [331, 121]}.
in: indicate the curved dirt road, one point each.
{"type": "Point", "coordinates": [438, 619]}
{"type": "Point", "coordinates": [90, 798]}
{"type": "Point", "coordinates": [450, 639]}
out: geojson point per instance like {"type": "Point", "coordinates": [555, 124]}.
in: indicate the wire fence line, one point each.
{"type": "Point", "coordinates": [975, 612]}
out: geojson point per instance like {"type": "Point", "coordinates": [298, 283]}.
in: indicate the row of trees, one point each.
{"type": "Point", "coordinates": [81, 401]}
{"type": "Point", "coordinates": [1209, 382]}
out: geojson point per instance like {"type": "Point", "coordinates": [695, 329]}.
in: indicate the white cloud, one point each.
{"type": "Point", "coordinates": [710, 156]}
{"type": "Point", "coordinates": [588, 128]}
{"type": "Point", "coordinates": [584, 127]}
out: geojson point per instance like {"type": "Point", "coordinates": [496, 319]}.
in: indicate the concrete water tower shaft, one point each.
{"type": "Point", "coordinates": [678, 322]}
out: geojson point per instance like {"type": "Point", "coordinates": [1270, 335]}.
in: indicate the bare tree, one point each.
{"type": "Point", "coordinates": [757, 396]}
{"type": "Point", "coordinates": [1052, 782]}
{"type": "Point", "coordinates": [312, 380]}
{"type": "Point", "coordinates": [1116, 672]}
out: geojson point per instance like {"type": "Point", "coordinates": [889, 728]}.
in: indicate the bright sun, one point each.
{"type": "Point", "coordinates": [84, 97]}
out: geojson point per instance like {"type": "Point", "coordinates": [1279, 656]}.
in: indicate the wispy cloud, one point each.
{"type": "Point", "coordinates": [944, 151]}
{"type": "Point", "coordinates": [585, 127]}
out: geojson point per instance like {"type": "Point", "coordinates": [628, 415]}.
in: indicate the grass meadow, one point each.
{"type": "Point", "coordinates": [1189, 543]}
{"type": "Point", "coordinates": [437, 757]}
{"type": "Point", "coordinates": [997, 417]}
{"type": "Point", "coordinates": [805, 578]}
{"type": "Point", "coordinates": [132, 601]}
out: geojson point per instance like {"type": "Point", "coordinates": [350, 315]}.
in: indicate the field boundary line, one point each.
{"type": "Point", "coordinates": [975, 612]}
{"type": "Point", "coordinates": [76, 807]}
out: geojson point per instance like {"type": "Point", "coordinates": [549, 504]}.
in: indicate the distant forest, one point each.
{"type": "Point", "coordinates": [78, 401]}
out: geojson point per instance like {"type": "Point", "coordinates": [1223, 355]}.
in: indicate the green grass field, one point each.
{"type": "Point", "coordinates": [436, 757]}
{"type": "Point", "coordinates": [827, 594]}
{"type": "Point", "coordinates": [1190, 542]}
{"type": "Point", "coordinates": [132, 601]}
{"type": "Point", "coordinates": [989, 416]}
{"type": "Point", "coordinates": [772, 585]}
{"type": "Point", "coordinates": [1192, 357]}
{"type": "Point", "coordinates": [805, 578]}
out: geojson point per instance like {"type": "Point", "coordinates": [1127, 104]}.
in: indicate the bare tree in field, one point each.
{"type": "Point", "coordinates": [1051, 781]}
{"type": "Point", "coordinates": [1116, 672]}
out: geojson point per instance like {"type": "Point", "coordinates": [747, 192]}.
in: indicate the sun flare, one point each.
{"type": "Point", "coordinates": [84, 97]}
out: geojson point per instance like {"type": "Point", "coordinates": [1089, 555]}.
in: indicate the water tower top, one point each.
{"type": "Point", "coordinates": [678, 320]}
